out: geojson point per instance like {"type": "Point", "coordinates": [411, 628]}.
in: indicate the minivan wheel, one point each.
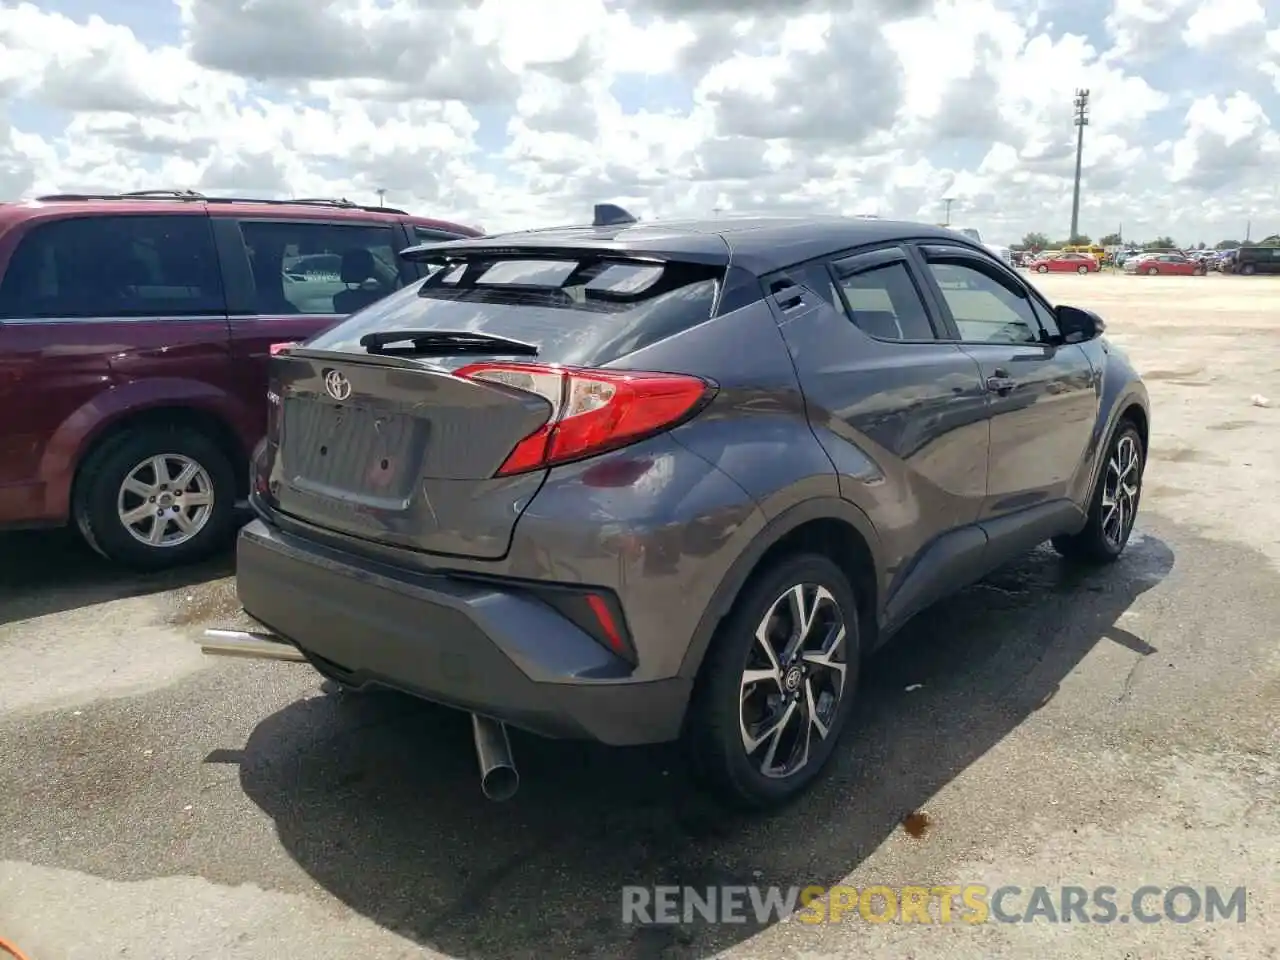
{"type": "Point", "coordinates": [1248, 269]}
{"type": "Point", "coordinates": [778, 684]}
{"type": "Point", "coordinates": [156, 497]}
{"type": "Point", "coordinates": [1114, 505]}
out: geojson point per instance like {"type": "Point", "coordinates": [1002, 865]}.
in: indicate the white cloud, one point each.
{"type": "Point", "coordinates": [1212, 22]}
{"type": "Point", "coordinates": [506, 113]}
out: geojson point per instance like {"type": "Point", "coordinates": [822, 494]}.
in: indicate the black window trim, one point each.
{"type": "Point", "coordinates": [238, 275]}
{"type": "Point", "coordinates": [993, 269]}
{"type": "Point", "coordinates": [866, 260]}
{"type": "Point", "coordinates": [35, 225]}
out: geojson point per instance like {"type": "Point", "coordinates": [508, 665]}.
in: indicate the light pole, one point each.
{"type": "Point", "coordinates": [948, 201]}
{"type": "Point", "coordinates": [1081, 120]}
{"type": "Point", "coordinates": [382, 193]}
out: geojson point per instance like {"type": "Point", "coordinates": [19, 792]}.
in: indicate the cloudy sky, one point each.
{"type": "Point", "coordinates": [510, 113]}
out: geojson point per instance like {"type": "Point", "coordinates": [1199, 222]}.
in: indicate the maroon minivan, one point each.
{"type": "Point", "coordinates": [134, 336]}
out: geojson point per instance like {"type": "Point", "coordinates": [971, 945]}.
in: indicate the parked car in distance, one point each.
{"type": "Point", "coordinates": [637, 482]}
{"type": "Point", "coordinates": [1166, 264]}
{"type": "Point", "coordinates": [134, 336]}
{"type": "Point", "coordinates": [1066, 263]}
{"type": "Point", "coordinates": [1261, 257]}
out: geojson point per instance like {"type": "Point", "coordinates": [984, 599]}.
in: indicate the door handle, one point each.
{"type": "Point", "coordinates": [1001, 385]}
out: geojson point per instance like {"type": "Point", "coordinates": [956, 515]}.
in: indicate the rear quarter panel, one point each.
{"type": "Point", "coordinates": [48, 372]}
{"type": "Point", "coordinates": [673, 524]}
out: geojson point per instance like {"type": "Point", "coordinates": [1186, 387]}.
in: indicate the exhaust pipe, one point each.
{"type": "Point", "coordinates": [255, 646]}
{"type": "Point", "coordinates": [498, 776]}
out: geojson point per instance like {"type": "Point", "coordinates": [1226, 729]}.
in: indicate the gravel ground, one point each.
{"type": "Point", "coordinates": [1047, 727]}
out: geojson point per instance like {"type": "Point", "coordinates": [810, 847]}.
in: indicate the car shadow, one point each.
{"type": "Point", "coordinates": [44, 572]}
{"type": "Point", "coordinates": [377, 797]}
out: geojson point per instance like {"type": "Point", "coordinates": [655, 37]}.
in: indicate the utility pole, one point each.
{"type": "Point", "coordinates": [948, 201]}
{"type": "Point", "coordinates": [382, 193]}
{"type": "Point", "coordinates": [1248, 230]}
{"type": "Point", "coordinates": [1081, 121]}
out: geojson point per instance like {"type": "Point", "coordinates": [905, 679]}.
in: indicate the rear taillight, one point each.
{"type": "Point", "coordinates": [591, 410]}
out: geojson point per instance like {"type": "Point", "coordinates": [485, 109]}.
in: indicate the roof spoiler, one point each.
{"type": "Point", "coordinates": [605, 215]}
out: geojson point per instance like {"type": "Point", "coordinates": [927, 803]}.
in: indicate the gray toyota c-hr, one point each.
{"type": "Point", "coordinates": [640, 482]}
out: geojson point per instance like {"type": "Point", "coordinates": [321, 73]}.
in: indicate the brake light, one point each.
{"type": "Point", "coordinates": [592, 411]}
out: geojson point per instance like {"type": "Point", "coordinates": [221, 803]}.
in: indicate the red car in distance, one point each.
{"type": "Point", "coordinates": [1065, 263]}
{"type": "Point", "coordinates": [1166, 265]}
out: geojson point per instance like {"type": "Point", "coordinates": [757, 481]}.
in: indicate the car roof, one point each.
{"type": "Point", "coordinates": [179, 203]}
{"type": "Point", "coordinates": [760, 244]}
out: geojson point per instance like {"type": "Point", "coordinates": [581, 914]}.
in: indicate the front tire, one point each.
{"type": "Point", "coordinates": [777, 686]}
{"type": "Point", "coordinates": [156, 497]}
{"type": "Point", "coordinates": [1114, 504]}
{"type": "Point", "coordinates": [1042, 269]}
{"type": "Point", "coordinates": [1152, 271]}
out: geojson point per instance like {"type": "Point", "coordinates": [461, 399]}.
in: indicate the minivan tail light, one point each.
{"type": "Point", "coordinates": [592, 411]}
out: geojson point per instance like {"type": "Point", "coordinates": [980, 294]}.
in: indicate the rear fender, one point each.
{"type": "Point", "coordinates": [818, 508]}
{"type": "Point", "coordinates": [80, 431]}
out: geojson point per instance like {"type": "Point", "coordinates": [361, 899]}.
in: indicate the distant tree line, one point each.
{"type": "Point", "coordinates": [1041, 241]}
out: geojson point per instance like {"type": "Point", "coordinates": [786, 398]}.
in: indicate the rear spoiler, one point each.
{"type": "Point", "coordinates": [605, 215]}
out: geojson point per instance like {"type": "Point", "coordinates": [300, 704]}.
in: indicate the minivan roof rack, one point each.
{"type": "Point", "coordinates": [195, 196]}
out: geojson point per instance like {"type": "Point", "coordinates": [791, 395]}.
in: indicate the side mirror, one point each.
{"type": "Point", "coordinates": [1078, 325]}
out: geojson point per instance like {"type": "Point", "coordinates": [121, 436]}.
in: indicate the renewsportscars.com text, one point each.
{"type": "Point", "coordinates": [967, 904]}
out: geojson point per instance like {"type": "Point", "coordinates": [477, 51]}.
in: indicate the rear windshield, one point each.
{"type": "Point", "coordinates": [582, 312]}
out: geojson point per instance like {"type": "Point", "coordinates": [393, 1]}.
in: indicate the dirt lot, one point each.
{"type": "Point", "coordinates": [1116, 728]}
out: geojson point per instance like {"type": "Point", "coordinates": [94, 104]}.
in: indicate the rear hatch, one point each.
{"type": "Point", "coordinates": [428, 419]}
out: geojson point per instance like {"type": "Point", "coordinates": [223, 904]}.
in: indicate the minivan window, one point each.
{"type": "Point", "coordinates": [319, 268]}
{"type": "Point", "coordinates": [115, 266]}
{"type": "Point", "coordinates": [592, 317]}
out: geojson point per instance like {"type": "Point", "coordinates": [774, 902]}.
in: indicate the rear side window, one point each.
{"type": "Point", "coordinates": [319, 268]}
{"type": "Point", "coordinates": [885, 304]}
{"type": "Point", "coordinates": [586, 312]}
{"type": "Point", "coordinates": [119, 266]}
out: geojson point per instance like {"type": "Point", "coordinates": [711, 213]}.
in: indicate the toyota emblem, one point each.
{"type": "Point", "coordinates": [336, 385]}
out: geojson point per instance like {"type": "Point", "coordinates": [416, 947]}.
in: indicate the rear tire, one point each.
{"type": "Point", "coordinates": [1082, 271]}
{"type": "Point", "coordinates": [794, 711]}
{"type": "Point", "coordinates": [180, 472]}
{"type": "Point", "coordinates": [1113, 506]}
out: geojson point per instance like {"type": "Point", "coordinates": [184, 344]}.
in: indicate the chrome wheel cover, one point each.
{"type": "Point", "coordinates": [1120, 486]}
{"type": "Point", "coordinates": [794, 679]}
{"type": "Point", "coordinates": [165, 500]}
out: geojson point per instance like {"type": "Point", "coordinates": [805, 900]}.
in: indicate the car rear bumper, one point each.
{"type": "Point", "coordinates": [486, 648]}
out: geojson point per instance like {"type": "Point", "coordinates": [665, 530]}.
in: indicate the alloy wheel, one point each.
{"type": "Point", "coordinates": [794, 679]}
{"type": "Point", "coordinates": [165, 500]}
{"type": "Point", "coordinates": [1120, 491]}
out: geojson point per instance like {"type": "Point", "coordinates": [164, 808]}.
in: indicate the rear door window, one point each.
{"type": "Point", "coordinates": [587, 311]}
{"type": "Point", "coordinates": [884, 303]}
{"type": "Point", "coordinates": [114, 266]}
{"type": "Point", "coordinates": [319, 268]}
